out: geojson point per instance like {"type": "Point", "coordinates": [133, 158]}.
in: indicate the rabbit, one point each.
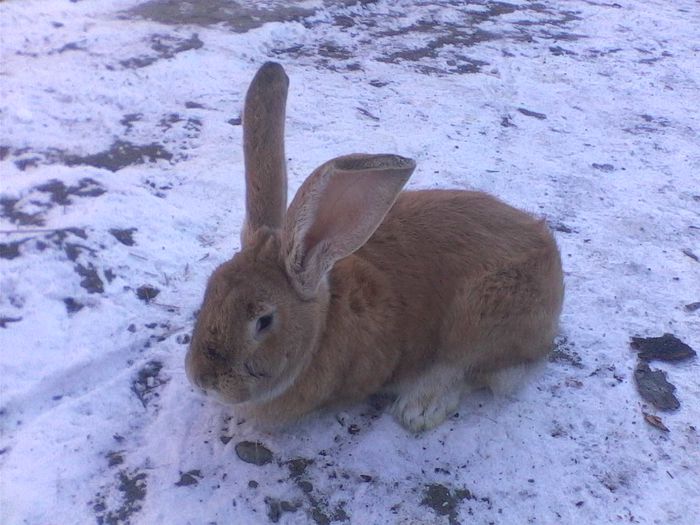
{"type": "Point", "coordinates": [360, 288]}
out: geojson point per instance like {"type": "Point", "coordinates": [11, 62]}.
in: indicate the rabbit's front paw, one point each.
{"type": "Point", "coordinates": [419, 410]}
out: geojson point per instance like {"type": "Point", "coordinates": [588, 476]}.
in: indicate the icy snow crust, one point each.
{"type": "Point", "coordinates": [122, 169]}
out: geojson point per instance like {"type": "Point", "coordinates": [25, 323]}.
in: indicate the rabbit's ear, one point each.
{"type": "Point", "coordinates": [336, 211]}
{"type": "Point", "coordinates": [263, 149]}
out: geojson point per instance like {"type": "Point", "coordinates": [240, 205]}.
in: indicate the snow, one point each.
{"type": "Point", "coordinates": [587, 113]}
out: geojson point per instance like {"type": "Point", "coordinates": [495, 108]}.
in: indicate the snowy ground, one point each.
{"type": "Point", "coordinates": [121, 173]}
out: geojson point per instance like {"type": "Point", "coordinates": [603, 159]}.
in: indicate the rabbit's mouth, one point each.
{"type": "Point", "coordinates": [253, 372]}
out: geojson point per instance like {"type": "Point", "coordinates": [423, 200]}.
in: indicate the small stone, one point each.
{"type": "Point", "coordinates": [189, 478]}
{"type": "Point", "coordinates": [306, 486]}
{"type": "Point", "coordinates": [124, 236]}
{"type": "Point", "coordinates": [253, 452]}
{"type": "Point", "coordinates": [287, 506]}
{"type": "Point", "coordinates": [274, 512]}
{"type": "Point", "coordinates": [607, 168]}
{"type": "Point", "coordinates": [72, 305]}
{"type": "Point", "coordinates": [147, 293]}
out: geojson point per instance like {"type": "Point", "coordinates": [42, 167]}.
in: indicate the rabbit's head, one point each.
{"type": "Point", "coordinates": [265, 309]}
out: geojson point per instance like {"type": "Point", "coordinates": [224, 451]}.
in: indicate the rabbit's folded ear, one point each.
{"type": "Point", "coordinates": [263, 149]}
{"type": "Point", "coordinates": [336, 211]}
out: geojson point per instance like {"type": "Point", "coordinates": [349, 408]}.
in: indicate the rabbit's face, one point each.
{"type": "Point", "coordinates": [254, 333]}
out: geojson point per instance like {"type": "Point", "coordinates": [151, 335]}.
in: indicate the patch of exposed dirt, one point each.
{"type": "Point", "coordinates": [120, 155]}
{"type": "Point", "coordinates": [240, 17]}
{"type": "Point", "coordinates": [4, 320]}
{"type": "Point", "coordinates": [444, 501]}
{"type": "Point", "coordinates": [124, 235]}
{"type": "Point", "coordinates": [10, 250]}
{"type": "Point", "coordinates": [31, 208]}
{"type": "Point", "coordinates": [147, 382]}
{"type": "Point", "coordinates": [665, 348]}
{"type": "Point", "coordinates": [119, 506]}
{"type": "Point", "coordinates": [163, 47]}
{"type": "Point", "coordinates": [276, 507]}
{"type": "Point", "coordinates": [91, 280]}
{"type": "Point", "coordinates": [655, 388]}
{"type": "Point", "coordinates": [563, 352]}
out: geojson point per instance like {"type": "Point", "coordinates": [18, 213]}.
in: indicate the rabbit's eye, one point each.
{"type": "Point", "coordinates": [263, 323]}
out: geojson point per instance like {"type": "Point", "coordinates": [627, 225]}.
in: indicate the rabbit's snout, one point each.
{"type": "Point", "coordinates": [197, 374]}
{"type": "Point", "coordinates": [204, 381]}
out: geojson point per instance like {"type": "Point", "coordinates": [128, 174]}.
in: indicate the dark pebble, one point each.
{"type": "Point", "coordinates": [147, 293]}
{"type": "Point", "coordinates": [286, 506]}
{"type": "Point", "coordinates": [253, 452]}
{"type": "Point", "coordinates": [274, 512]}
{"type": "Point", "coordinates": [124, 236]}
{"type": "Point", "coordinates": [114, 459]}
{"type": "Point", "coordinates": [607, 168]}
{"type": "Point", "coordinates": [305, 486]}
{"type": "Point", "coordinates": [189, 478]}
{"type": "Point", "coordinates": [72, 305]}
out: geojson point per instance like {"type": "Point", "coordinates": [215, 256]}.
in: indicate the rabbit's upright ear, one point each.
{"type": "Point", "coordinates": [263, 149]}
{"type": "Point", "coordinates": [336, 211]}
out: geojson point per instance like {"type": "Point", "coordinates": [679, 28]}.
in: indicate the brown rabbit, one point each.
{"type": "Point", "coordinates": [359, 287]}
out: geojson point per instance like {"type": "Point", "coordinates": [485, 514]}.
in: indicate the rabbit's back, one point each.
{"type": "Point", "coordinates": [465, 266]}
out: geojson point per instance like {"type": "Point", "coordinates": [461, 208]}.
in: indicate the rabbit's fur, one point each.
{"type": "Point", "coordinates": [359, 287]}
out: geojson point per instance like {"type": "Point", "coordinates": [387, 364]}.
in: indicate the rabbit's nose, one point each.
{"type": "Point", "coordinates": [203, 380]}
{"type": "Point", "coordinates": [198, 377]}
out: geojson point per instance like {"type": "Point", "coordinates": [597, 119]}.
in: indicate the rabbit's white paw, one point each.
{"type": "Point", "coordinates": [430, 400]}
{"type": "Point", "coordinates": [418, 413]}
